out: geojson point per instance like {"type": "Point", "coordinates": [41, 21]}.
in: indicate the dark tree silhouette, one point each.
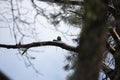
{"type": "Point", "coordinates": [3, 76]}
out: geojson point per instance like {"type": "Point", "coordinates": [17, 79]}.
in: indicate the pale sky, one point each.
{"type": "Point", "coordinates": [49, 61]}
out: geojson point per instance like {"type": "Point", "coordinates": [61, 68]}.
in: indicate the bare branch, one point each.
{"type": "Point", "coordinates": [107, 70]}
{"type": "Point", "coordinates": [38, 44]}
{"type": "Point", "coordinates": [110, 48]}
{"type": "Point", "coordinates": [72, 2]}
{"type": "Point", "coordinates": [115, 35]}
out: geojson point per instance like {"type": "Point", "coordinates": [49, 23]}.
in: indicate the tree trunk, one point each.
{"type": "Point", "coordinates": [92, 41]}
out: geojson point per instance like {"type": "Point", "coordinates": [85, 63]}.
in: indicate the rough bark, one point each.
{"type": "Point", "coordinates": [92, 41]}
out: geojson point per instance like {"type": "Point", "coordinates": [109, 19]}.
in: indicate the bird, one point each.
{"type": "Point", "coordinates": [58, 39]}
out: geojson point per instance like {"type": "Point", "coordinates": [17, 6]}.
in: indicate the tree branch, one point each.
{"type": "Point", "coordinates": [72, 2]}
{"type": "Point", "coordinates": [115, 35]}
{"type": "Point", "coordinates": [110, 48]}
{"type": "Point", "coordinates": [111, 10]}
{"type": "Point", "coordinates": [107, 70]}
{"type": "Point", "coordinates": [38, 44]}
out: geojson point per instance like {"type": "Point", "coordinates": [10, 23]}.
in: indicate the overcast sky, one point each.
{"type": "Point", "coordinates": [49, 61]}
